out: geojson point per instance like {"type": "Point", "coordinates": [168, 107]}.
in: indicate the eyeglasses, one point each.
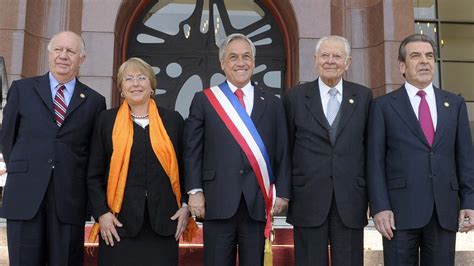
{"type": "Point", "coordinates": [131, 79]}
{"type": "Point", "coordinates": [335, 57]}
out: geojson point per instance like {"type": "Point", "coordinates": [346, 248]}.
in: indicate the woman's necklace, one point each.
{"type": "Point", "coordinates": [139, 116]}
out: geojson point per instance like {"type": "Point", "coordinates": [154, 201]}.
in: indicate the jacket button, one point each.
{"type": "Point", "coordinates": [241, 172]}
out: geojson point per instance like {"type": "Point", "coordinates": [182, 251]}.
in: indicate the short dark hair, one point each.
{"type": "Point", "coordinates": [402, 51]}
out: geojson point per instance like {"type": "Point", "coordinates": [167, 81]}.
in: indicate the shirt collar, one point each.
{"type": "Point", "coordinates": [325, 88]}
{"type": "Point", "coordinates": [246, 89]}
{"type": "Point", "coordinates": [69, 85]}
{"type": "Point", "coordinates": [412, 90]}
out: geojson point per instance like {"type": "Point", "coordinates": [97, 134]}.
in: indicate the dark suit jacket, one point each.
{"type": "Point", "coordinates": [321, 168]}
{"type": "Point", "coordinates": [408, 176]}
{"type": "Point", "coordinates": [214, 161]}
{"type": "Point", "coordinates": [147, 181]}
{"type": "Point", "coordinates": [35, 149]}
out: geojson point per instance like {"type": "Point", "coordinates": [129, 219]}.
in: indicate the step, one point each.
{"type": "Point", "coordinates": [192, 253]}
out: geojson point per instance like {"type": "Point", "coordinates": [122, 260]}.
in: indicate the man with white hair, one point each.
{"type": "Point", "coordinates": [47, 123]}
{"type": "Point", "coordinates": [327, 135]}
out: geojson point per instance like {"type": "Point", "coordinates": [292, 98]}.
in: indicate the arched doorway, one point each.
{"type": "Point", "coordinates": [179, 39]}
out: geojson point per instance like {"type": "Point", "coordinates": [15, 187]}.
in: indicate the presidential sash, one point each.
{"type": "Point", "coordinates": [241, 126]}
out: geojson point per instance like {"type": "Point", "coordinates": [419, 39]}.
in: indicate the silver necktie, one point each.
{"type": "Point", "coordinates": [333, 106]}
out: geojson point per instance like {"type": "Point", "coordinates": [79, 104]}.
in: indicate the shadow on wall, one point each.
{"type": "Point", "coordinates": [3, 81]}
{"type": "Point", "coordinates": [3, 91]}
{"type": "Point", "coordinates": [472, 132]}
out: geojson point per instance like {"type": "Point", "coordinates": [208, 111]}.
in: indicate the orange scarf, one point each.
{"type": "Point", "coordinates": [122, 139]}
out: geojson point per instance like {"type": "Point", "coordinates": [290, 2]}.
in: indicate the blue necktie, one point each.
{"type": "Point", "coordinates": [333, 106]}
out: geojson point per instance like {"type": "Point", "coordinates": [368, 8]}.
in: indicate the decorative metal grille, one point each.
{"type": "Point", "coordinates": [179, 39]}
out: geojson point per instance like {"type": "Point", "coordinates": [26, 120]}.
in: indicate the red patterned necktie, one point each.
{"type": "Point", "coordinates": [60, 106]}
{"type": "Point", "coordinates": [240, 95]}
{"type": "Point", "coordinates": [424, 116]}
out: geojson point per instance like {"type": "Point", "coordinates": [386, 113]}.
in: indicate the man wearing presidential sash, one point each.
{"type": "Point", "coordinates": [236, 160]}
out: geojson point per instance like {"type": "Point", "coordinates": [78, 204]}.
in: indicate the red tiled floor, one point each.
{"type": "Point", "coordinates": [191, 254]}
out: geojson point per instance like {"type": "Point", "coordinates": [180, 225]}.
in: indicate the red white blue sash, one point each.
{"type": "Point", "coordinates": [241, 126]}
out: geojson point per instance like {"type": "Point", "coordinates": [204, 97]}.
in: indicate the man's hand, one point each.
{"type": "Point", "coordinates": [107, 223]}
{"type": "Point", "coordinates": [182, 215]}
{"type": "Point", "coordinates": [196, 205]}
{"type": "Point", "coordinates": [466, 220]}
{"type": "Point", "coordinates": [385, 223]}
{"type": "Point", "coordinates": [281, 204]}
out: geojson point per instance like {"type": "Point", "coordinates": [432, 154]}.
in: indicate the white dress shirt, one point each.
{"type": "Point", "coordinates": [430, 99]}
{"type": "Point", "coordinates": [325, 96]}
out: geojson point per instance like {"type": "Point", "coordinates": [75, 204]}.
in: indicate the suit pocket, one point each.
{"type": "Point", "coordinates": [17, 166]}
{"type": "Point", "coordinates": [454, 184]}
{"type": "Point", "coordinates": [361, 182]}
{"type": "Point", "coordinates": [396, 183]}
{"type": "Point", "coordinates": [208, 175]}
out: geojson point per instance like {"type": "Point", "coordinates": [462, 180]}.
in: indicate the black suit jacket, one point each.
{"type": "Point", "coordinates": [408, 176]}
{"type": "Point", "coordinates": [321, 168]}
{"type": "Point", "coordinates": [147, 181]}
{"type": "Point", "coordinates": [214, 161]}
{"type": "Point", "coordinates": [35, 149]}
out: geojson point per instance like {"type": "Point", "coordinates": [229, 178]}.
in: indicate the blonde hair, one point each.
{"type": "Point", "coordinates": [140, 65]}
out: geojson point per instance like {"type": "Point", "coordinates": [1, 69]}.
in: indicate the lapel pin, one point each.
{"type": "Point", "coordinates": [82, 95]}
{"type": "Point", "coordinates": [262, 98]}
{"type": "Point", "coordinates": [351, 101]}
{"type": "Point", "coordinates": [446, 104]}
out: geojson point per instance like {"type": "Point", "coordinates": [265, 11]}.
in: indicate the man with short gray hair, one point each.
{"type": "Point", "coordinates": [235, 155]}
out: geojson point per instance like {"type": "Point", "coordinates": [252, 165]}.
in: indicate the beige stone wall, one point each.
{"type": "Point", "coordinates": [373, 28]}
{"type": "Point", "coordinates": [98, 31]}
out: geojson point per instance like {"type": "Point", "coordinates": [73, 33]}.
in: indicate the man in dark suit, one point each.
{"type": "Point", "coordinates": [47, 124]}
{"type": "Point", "coordinates": [420, 163]}
{"type": "Point", "coordinates": [327, 133]}
{"type": "Point", "coordinates": [221, 183]}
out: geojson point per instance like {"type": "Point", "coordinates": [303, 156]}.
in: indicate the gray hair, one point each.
{"type": "Point", "coordinates": [82, 44]}
{"type": "Point", "coordinates": [402, 51]}
{"type": "Point", "coordinates": [233, 37]}
{"type": "Point", "coordinates": [347, 46]}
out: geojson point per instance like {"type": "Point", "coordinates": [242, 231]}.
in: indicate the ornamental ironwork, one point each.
{"type": "Point", "coordinates": [180, 38]}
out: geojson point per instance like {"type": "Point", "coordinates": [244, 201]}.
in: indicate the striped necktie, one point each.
{"type": "Point", "coordinates": [60, 106]}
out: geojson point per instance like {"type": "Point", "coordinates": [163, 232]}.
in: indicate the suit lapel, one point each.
{"type": "Point", "coordinates": [348, 105]}
{"type": "Point", "coordinates": [402, 106]}
{"type": "Point", "coordinates": [44, 91]}
{"type": "Point", "coordinates": [78, 97]}
{"type": "Point", "coordinates": [443, 109]}
{"type": "Point", "coordinates": [314, 105]}
{"type": "Point", "coordinates": [259, 104]}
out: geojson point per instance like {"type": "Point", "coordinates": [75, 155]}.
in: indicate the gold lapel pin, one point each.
{"type": "Point", "coordinates": [351, 101]}
{"type": "Point", "coordinates": [82, 95]}
{"type": "Point", "coordinates": [446, 104]}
